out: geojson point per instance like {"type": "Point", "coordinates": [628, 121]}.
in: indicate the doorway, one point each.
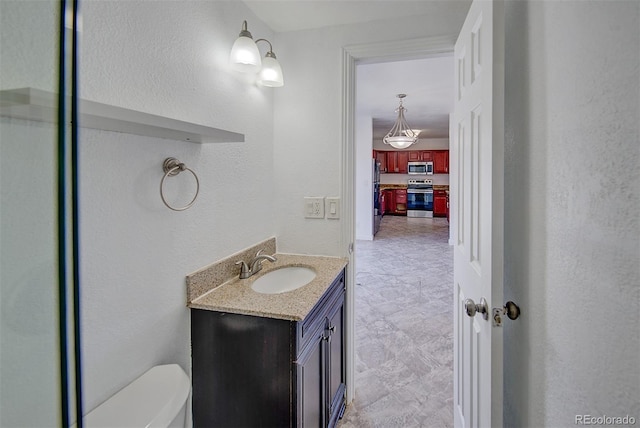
{"type": "Point", "coordinates": [401, 225]}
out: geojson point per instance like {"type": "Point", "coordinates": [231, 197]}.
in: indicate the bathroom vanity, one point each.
{"type": "Point", "coordinates": [281, 364]}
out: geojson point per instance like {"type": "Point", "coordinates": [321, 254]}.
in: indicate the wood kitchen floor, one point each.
{"type": "Point", "coordinates": [404, 327]}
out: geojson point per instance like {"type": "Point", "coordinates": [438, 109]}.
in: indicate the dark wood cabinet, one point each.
{"type": "Point", "coordinates": [415, 156]}
{"type": "Point", "coordinates": [395, 201]}
{"type": "Point", "coordinates": [403, 160]}
{"type": "Point", "coordinates": [439, 203]}
{"type": "Point", "coordinates": [426, 155]}
{"type": "Point", "coordinates": [441, 161]}
{"type": "Point", "coordinates": [401, 201]}
{"type": "Point", "coordinates": [392, 162]}
{"type": "Point", "coordinates": [396, 161]}
{"type": "Point", "coordinates": [267, 372]}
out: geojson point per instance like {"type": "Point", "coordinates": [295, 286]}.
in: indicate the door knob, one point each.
{"type": "Point", "coordinates": [471, 308]}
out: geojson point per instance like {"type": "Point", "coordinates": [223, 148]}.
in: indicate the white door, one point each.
{"type": "Point", "coordinates": [477, 209]}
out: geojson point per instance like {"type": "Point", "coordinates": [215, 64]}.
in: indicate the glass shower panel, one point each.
{"type": "Point", "coordinates": [30, 379]}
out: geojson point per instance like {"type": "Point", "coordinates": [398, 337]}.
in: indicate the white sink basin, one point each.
{"type": "Point", "coordinates": [284, 279]}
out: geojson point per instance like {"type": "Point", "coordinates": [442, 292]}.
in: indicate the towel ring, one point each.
{"type": "Point", "coordinates": [171, 168]}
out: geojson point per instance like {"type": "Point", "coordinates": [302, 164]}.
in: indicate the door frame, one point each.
{"type": "Point", "coordinates": [352, 55]}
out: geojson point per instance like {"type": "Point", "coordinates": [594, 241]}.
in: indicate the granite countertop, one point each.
{"type": "Point", "coordinates": [440, 187]}
{"type": "Point", "coordinates": [393, 186]}
{"type": "Point", "coordinates": [237, 296]}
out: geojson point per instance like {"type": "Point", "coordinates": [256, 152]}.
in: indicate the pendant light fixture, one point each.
{"type": "Point", "coordinates": [245, 57]}
{"type": "Point", "coordinates": [401, 135]}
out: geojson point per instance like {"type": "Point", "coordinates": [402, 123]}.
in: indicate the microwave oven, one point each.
{"type": "Point", "coordinates": [420, 168]}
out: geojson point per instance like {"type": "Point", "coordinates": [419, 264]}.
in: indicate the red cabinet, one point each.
{"type": "Point", "coordinates": [426, 155]}
{"type": "Point", "coordinates": [396, 161]}
{"type": "Point", "coordinates": [401, 201]}
{"type": "Point", "coordinates": [395, 201]}
{"type": "Point", "coordinates": [403, 159]}
{"type": "Point", "coordinates": [441, 161]}
{"type": "Point", "coordinates": [439, 203]}
{"type": "Point", "coordinates": [415, 156]}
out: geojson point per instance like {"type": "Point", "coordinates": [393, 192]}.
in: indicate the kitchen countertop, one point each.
{"type": "Point", "coordinates": [393, 186]}
{"type": "Point", "coordinates": [237, 296]}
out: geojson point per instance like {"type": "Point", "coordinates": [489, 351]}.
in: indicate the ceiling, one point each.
{"type": "Point", "coordinates": [294, 15]}
{"type": "Point", "coordinates": [428, 83]}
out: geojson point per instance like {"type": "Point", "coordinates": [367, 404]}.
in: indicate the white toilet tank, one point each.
{"type": "Point", "coordinates": [156, 399]}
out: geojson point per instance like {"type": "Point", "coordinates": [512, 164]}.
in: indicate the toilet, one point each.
{"type": "Point", "coordinates": [157, 399]}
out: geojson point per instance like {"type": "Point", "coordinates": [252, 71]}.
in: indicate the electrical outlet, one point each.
{"type": "Point", "coordinates": [313, 207]}
{"type": "Point", "coordinates": [332, 207]}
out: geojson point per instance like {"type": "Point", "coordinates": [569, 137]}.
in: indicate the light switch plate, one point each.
{"type": "Point", "coordinates": [332, 207]}
{"type": "Point", "coordinates": [313, 207]}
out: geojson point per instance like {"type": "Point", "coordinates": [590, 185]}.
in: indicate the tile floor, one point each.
{"type": "Point", "coordinates": [404, 327]}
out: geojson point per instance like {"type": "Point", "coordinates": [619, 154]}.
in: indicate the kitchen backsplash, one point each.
{"type": "Point", "coordinates": [438, 179]}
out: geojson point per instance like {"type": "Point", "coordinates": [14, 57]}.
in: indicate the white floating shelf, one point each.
{"type": "Point", "coordinates": [35, 104]}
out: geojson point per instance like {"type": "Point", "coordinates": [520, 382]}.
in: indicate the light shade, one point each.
{"type": "Point", "coordinates": [400, 142]}
{"type": "Point", "coordinates": [245, 56]}
{"type": "Point", "coordinates": [271, 72]}
{"type": "Point", "coordinates": [401, 135]}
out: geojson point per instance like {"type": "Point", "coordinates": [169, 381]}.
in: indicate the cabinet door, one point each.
{"type": "Point", "coordinates": [403, 159]}
{"type": "Point", "coordinates": [441, 162]}
{"type": "Point", "coordinates": [310, 374]}
{"type": "Point", "coordinates": [336, 362]}
{"type": "Point", "coordinates": [415, 155]}
{"type": "Point", "coordinates": [390, 201]}
{"type": "Point", "coordinates": [426, 155]}
{"type": "Point", "coordinates": [392, 162]}
{"type": "Point", "coordinates": [401, 201]}
{"type": "Point", "coordinates": [439, 206]}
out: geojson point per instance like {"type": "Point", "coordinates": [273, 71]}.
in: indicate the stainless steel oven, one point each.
{"type": "Point", "coordinates": [420, 198]}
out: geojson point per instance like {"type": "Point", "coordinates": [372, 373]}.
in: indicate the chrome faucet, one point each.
{"type": "Point", "coordinates": [254, 266]}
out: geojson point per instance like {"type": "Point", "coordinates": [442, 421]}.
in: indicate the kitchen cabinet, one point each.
{"type": "Point", "coordinates": [403, 160]}
{"type": "Point", "coordinates": [392, 162]}
{"type": "Point", "coordinates": [441, 161]}
{"type": "Point", "coordinates": [257, 371]}
{"type": "Point", "coordinates": [397, 162]}
{"type": "Point", "coordinates": [439, 203]}
{"type": "Point", "coordinates": [400, 201]}
{"type": "Point", "coordinates": [414, 156]}
{"type": "Point", "coordinates": [389, 201]}
{"type": "Point", "coordinates": [426, 155]}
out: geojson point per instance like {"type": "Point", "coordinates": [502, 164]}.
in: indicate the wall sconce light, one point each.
{"type": "Point", "coordinates": [245, 57]}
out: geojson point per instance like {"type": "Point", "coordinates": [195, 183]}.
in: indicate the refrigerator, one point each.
{"type": "Point", "coordinates": [377, 208]}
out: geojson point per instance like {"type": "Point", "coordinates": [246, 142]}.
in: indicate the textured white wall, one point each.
{"type": "Point", "coordinates": [364, 177]}
{"type": "Point", "coordinates": [308, 119]}
{"type": "Point", "coordinates": [167, 58]}
{"type": "Point", "coordinates": [572, 186]}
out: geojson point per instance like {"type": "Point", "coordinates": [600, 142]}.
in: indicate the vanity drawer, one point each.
{"type": "Point", "coordinates": [313, 324]}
